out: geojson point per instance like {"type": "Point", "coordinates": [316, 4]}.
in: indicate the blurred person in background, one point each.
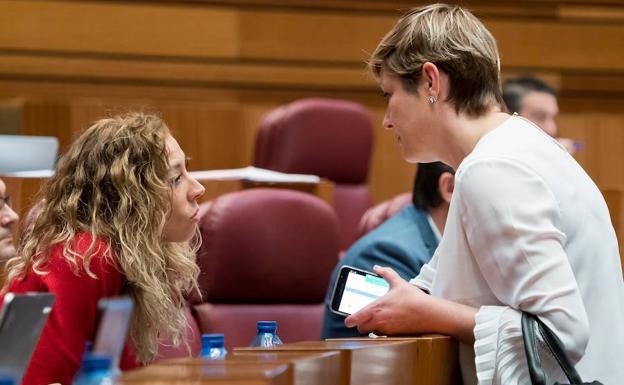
{"type": "Point", "coordinates": [537, 101]}
{"type": "Point", "coordinates": [405, 241]}
{"type": "Point", "coordinates": [8, 219]}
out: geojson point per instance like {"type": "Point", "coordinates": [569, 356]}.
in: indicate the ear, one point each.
{"type": "Point", "coordinates": [446, 184]}
{"type": "Point", "coordinates": [431, 79]}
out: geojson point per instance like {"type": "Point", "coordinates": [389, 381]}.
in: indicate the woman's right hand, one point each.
{"type": "Point", "coordinates": [407, 310]}
{"type": "Point", "coordinates": [399, 311]}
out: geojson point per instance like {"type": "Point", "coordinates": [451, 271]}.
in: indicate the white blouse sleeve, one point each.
{"type": "Point", "coordinates": [424, 279]}
{"type": "Point", "coordinates": [512, 224]}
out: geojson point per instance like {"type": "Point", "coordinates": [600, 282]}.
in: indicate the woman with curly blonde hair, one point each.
{"type": "Point", "coordinates": [119, 217]}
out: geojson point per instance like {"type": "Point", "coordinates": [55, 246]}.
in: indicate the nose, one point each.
{"type": "Point", "coordinates": [196, 190]}
{"type": "Point", "coordinates": [387, 123]}
{"type": "Point", "coordinates": [8, 216]}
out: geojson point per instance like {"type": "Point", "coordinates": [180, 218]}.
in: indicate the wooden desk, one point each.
{"type": "Point", "coordinates": [288, 368]}
{"type": "Point", "coordinates": [213, 374]}
{"type": "Point", "coordinates": [426, 360]}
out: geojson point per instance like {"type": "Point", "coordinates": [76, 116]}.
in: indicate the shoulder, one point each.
{"type": "Point", "coordinates": [84, 254]}
{"type": "Point", "coordinates": [400, 237]}
{"type": "Point", "coordinates": [403, 226]}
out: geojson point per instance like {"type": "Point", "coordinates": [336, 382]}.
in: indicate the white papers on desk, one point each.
{"type": "Point", "coordinates": [255, 174]}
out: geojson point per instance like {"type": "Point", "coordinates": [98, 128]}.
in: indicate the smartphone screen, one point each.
{"type": "Point", "coordinates": [355, 289]}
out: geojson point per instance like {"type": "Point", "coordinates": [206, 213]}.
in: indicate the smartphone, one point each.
{"type": "Point", "coordinates": [115, 315]}
{"type": "Point", "coordinates": [356, 288]}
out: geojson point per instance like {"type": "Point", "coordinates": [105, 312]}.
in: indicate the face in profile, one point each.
{"type": "Point", "coordinates": [408, 116]}
{"type": "Point", "coordinates": [541, 108]}
{"type": "Point", "coordinates": [184, 215]}
{"type": "Point", "coordinates": [8, 218]}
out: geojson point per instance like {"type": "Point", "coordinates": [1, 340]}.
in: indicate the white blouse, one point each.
{"type": "Point", "coordinates": [528, 230]}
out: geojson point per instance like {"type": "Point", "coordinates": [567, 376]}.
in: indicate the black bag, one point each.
{"type": "Point", "coordinates": [530, 324]}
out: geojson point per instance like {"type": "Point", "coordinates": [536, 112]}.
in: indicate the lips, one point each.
{"type": "Point", "coordinates": [195, 216]}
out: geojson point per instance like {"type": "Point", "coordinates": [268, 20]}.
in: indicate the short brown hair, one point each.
{"type": "Point", "coordinates": [455, 41]}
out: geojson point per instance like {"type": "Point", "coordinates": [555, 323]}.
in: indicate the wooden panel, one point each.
{"type": "Point", "coordinates": [602, 136]}
{"type": "Point", "coordinates": [614, 196]}
{"type": "Point", "coordinates": [257, 374]}
{"type": "Point", "coordinates": [306, 368]}
{"type": "Point", "coordinates": [120, 28]}
{"type": "Point", "coordinates": [186, 31]}
{"type": "Point", "coordinates": [313, 36]}
{"type": "Point", "coordinates": [182, 73]}
{"type": "Point", "coordinates": [559, 45]}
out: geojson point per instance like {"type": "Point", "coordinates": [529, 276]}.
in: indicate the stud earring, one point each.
{"type": "Point", "coordinates": [432, 99]}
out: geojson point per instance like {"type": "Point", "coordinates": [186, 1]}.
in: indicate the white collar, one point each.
{"type": "Point", "coordinates": [434, 228]}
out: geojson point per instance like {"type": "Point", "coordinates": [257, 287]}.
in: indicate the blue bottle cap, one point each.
{"type": "Point", "coordinates": [213, 340]}
{"type": "Point", "coordinates": [267, 326]}
{"type": "Point", "coordinates": [92, 362]}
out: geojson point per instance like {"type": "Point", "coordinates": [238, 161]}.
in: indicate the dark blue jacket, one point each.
{"type": "Point", "coordinates": [405, 242]}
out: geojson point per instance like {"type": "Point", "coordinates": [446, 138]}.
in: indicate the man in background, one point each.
{"type": "Point", "coordinates": [535, 100]}
{"type": "Point", "coordinates": [8, 218]}
{"type": "Point", "coordinates": [405, 242]}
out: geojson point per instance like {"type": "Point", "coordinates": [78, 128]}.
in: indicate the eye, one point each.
{"type": "Point", "coordinates": [176, 181]}
{"type": "Point", "coordinates": [387, 95]}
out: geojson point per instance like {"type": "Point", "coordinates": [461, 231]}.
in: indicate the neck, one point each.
{"type": "Point", "coordinates": [464, 132]}
{"type": "Point", "coordinates": [438, 214]}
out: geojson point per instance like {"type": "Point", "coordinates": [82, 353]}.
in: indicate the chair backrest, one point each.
{"type": "Point", "coordinates": [325, 137]}
{"type": "Point", "coordinates": [191, 348]}
{"type": "Point", "coordinates": [265, 254]}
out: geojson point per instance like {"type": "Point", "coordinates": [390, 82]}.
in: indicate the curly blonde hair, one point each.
{"type": "Point", "coordinates": [113, 182]}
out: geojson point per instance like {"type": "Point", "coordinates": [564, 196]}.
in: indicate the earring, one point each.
{"type": "Point", "coordinates": [432, 99]}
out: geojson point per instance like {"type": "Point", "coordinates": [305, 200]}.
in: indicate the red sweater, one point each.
{"type": "Point", "coordinates": [73, 318]}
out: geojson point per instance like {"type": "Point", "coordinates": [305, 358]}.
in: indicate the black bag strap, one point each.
{"type": "Point", "coordinates": [532, 325]}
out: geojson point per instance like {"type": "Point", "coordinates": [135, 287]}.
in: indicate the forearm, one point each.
{"type": "Point", "coordinates": [453, 319]}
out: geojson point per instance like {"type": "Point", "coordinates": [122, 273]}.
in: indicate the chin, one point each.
{"type": "Point", "coordinates": [420, 157]}
{"type": "Point", "coordinates": [181, 238]}
{"type": "Point", "coordinates": [415, 158]}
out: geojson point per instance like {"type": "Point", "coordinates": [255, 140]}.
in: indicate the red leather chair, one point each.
{"type": "Point", "coordinates": [267, 254]}
{"type": "Point", "coordinates": [325, 137]}
{"type": "Point", "coordinates": [166, 349]}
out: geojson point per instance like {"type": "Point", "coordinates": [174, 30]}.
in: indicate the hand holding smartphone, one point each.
{"type": "Point", "coordinates": [354, 289]}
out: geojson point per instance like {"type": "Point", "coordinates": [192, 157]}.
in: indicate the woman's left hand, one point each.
{"type": "Point", "coordinates": [402, 310]}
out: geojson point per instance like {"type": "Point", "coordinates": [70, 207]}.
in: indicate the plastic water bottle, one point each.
{"type": "Point", "coordinates": [267, 335]}
{"type": "Point", "coordinates": [95, 370]}
{"type": "Point", "coordinates": [213, 346]}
